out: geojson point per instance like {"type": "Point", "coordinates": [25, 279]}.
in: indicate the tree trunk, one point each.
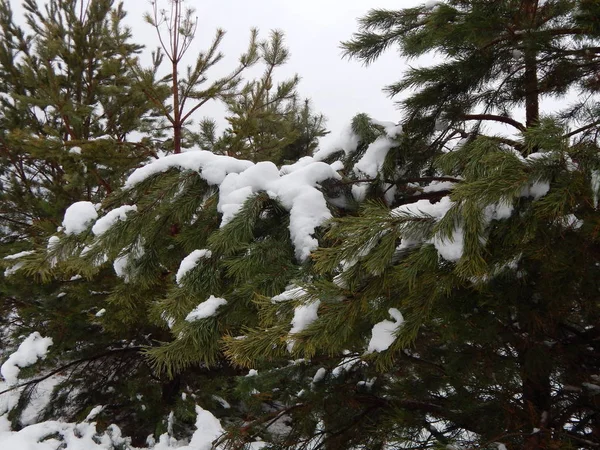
{"type": "Point", "coordinates": [536, 398]}
{"type": "Point", "coordinates": [532, 104]}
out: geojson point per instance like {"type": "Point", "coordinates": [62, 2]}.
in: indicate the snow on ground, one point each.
{"type": "Point", "coordinates": [34, 347]}
{"type": "Point", "coordinates": [207, 308]}
{"type": "Point", "coordinates": [57, 435]}
{"type": "Point", "coordinates": [78, 217]}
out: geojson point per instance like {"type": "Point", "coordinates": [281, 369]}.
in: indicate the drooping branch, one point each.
{"type": "Point", "coordinates": [493, 117]}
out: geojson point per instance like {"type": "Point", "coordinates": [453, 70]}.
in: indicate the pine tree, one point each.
{"type": "Point", "coordinates": [70, 106]}
{"type": "Point", "coordinates": [266, 121]}
{"type": "Point", "coordinates": [458, 308]}
{"type": "Point", "coordinates": [144, 306]}
{"type": "Point", "coordinates": [176, 29]}
{"type": "Point", "coordinates": [444, 305]}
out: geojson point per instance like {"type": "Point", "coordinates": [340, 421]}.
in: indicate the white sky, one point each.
{"type": "Point", "coordinates": [339, 88]}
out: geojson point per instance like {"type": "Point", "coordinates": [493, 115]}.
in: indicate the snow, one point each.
{"type": "Point", "coordinates": [41, 395]}
{"type": "Point", "coordinates": [384, 332]}
{"type": "Point", "coordinates": [347, 142]}
{"type": "Point", "coordinates": [296, 191]}
{"type": "Point", "coordinates": [189, 262]}
{"type": "Point", "coordinates": [52, 242]}
{"type": "Point", "coordinates": [537, 190]}
{"type": "Point", "coordinates": [208, 428]}
{"type": "Point", "coordinates": [34, 347]}
{"type": "Point", "coordinates": [75, 151]}
{"type": "Point", "coordinates": [224, 403]}
{"type": "Point", "coordinates": [78, 217]}
{"type": "Point", "coordinates": [302, 162]}
{"type": "Point", "coordinates": [101, 312]}
{"type": "Point", "coordinates": [571, 221]}
{"type": "Point", "coordinates": [320, 375]}
{"type": "Point", "coordinates": [292, 293]}
{"type": "Point", "coordinates": [372, 161]}
{"type": "Point", "coordinates": [304, 315]}
{"type": "Point", "coordinates": [437, 186]}
{"type": "Point", "coordinates": [212, 168]}
{"type": "Point", "coordinates": [94, 413]}
{"type": "Point", "coordinates": [105, 223]}
{"type": "Point", "coordinates": [252, 373]}
{"type": "Point", "coordinates": [430, 4]}
{"type": "Point", "coordinates": [449, 248]}
{"type": "Point", "coordinates": [595, 183]}
{"type": "Point", "coordinates": [18, 255]}
{"type": "Point", "coordinates": [346, 365]}
{"type": "Point", "coordinates": [14, 268]}
{"type": "Point", "coordinates": [391, 129]}
{"type": "Point", "coordinates": [207, 308]}
{"type": "Point", "coordinates": [120, 267]}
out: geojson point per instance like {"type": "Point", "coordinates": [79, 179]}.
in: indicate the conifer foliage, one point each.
{"type": "Point", "coordinates": [425, 284]}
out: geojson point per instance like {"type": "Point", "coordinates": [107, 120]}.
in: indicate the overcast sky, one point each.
{"type": "Point", "coordinates": [339, 88]}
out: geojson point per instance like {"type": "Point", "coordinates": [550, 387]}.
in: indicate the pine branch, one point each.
{"type": "Point", "coordinates": [72, 364]}
{"type": "Point", "coordinates": [492, 117]}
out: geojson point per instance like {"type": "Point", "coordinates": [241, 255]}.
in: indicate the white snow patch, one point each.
{"type": "Point", "coordinates": [571, 221]}
{"type": "Point", "coordinates": [78, 217]}
{"type": "Point", "coordinates": [304, 315]}
{"type": "Point", "coordinates": [537, 190]}
{"type": "Point", "coordinates": [449, 248]}
{"type": "Point", "coordinates": [346, 365]}
{"type": "Point", "coordinates": [372, 161]}
{"type": "Point", "coordinates": [297, 192]}
{"type": "Point", "coordinates": [384, 332]}
{"type": "Point", "coordinates": [437, 186]}
{"type": "Point", "coordinates": [212, 168]}
{"type": "Point", "coordinates": [94, 413]}
{"type": "Point", "coordinates": [207, 308]}
{"type": "Point", "coordinates": [208, 428]}
{"type": "Point", "coordinates": [34, 347]}
{"type": "Point", "coordinates": [14, 268]}
{"type": "Point", "coordinates": [224, 403]}
{"type": "Point", "coordinates": [430, 4]}
{"type": "Point", "coordinates": [292, 293]}
{"type": "Point", "coordinates": [18, 255]}
{"type": "Point", "coordinates": [452, 248]}
{"type": "Point", "coordinates": [320, 375]}
{"type": "Point", "coordinates": [75, 150]}
{"type": "Point", "coordinates": [101, 312]}
{"type": "Point", "coordinates": [105, 223]}
{"type": "Point", "coordinates": [595, 182]}
{"type": "Point", "coordinates": [346, 142]}
{"type": "Point", "coordinates": [391, 129]}
{"type": "Point", "coordinates": [189, 262]}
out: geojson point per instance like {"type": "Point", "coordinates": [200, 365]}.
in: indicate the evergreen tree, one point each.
{"type": "Point", "coordinates": [71, 115]}
{"type": "Point", "coordinates": [266, 122]}
{"type": "Point", "coordinates": [176, 29]}
{"type": "Point", "coordinates": [459, 308]}
{"type": "Point", "coordinates": [444, 305]}
{"type": "Point", "coordinates": [136, 301]}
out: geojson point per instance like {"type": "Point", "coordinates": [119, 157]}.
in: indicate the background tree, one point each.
{"type": "Point", "coordinates": [267, 121]}
{"type": "Point", "coordinates": [74, 122]}
{"type": "Point", "coordinates": [176, 28]}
